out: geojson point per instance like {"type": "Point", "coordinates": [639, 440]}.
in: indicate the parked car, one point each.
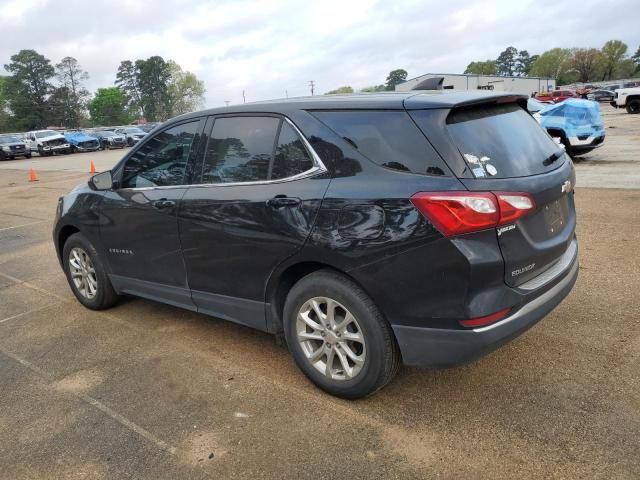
{"type": "Point", "coordinates": [368, 230]}
{"type": "Point", "coordinates": [601, 95]}
{"type": "Point", "coordinates": [633, 83]}
{"type": "Point", "coordinates": [577, 124]}
{"type": "Point", "coordinates": [12, 147]}
{"type": "Point", "coordinates": [47, 142]}
{"type": "Point", "coordinates": [535, 106]}
{"type": "Point", "coordinates": [613, 88]}
{"type": "Point", "coordinates": [80, 141]}
{"type": "Point", "coordinates": [132, 134]}
{"type": "Point", "coordinates": [109, 139]}
{"type": "Point", "coordinates": [627, 98]}
{"type": "Point", "coordinates": [557, 96]}
{"type": "Point", "coordinates": [147, 127]}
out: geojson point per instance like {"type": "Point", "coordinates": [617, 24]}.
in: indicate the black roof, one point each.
{"type": "Point", "coordinates": [411, 100]}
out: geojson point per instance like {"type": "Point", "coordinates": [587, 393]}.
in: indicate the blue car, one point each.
{"type": "Point", "coordinates": [577, 124]}
{"type": "Point", "coordinates": [81, 142]}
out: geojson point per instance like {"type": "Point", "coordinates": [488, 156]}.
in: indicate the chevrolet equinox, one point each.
{"type": "Point", "coordinates": [424, 228]}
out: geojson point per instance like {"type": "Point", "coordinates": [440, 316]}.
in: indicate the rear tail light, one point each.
{"type": "Point", "coordinates": [455, 213]}
{"type": "Point", "coordinates": [486, 320]}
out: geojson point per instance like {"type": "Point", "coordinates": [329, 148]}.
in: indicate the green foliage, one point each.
{"type": "Point", "coordinates": [185, 93]}
{"type": "Point", "coordinates": [488, 67]}
{"type": "Point", "coordinates": [612, 54]}
{"type": "Point", "coordinates": [159, 89]}
{"type": "Point", "coordinates": [373, 88]}
{"type": "Point", "coordinates": [27, 89]}
{"type": "Point", "coordinates": [109, 107]}
{"type": "Point", "coordinates": [524, 62]}
{"type": "Point", "coordinates": [6, 119]}
{"type": "Point", "coordinates": [586, 63]}
{"type": "Point", "coordinates": [337, 91]}
{"type": "Point", "coordinates": [71, 96]}
{"type": "Point", "coordinates": [635, 58]}
{"type": "Point", "coordinates": [507, 61]}
{"type": "Point", "coordinates": [553, 63]}
{"type": "Point", "coordinates": [394, 78]}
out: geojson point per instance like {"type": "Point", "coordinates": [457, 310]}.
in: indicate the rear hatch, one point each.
{"type": "Point", "coordinates": [505, 150]}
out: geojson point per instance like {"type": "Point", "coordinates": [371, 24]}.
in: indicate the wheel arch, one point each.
{"type": "Point", "coordinates": [281, 282]}
{"type": "Point", "coordinates": [63, 235]}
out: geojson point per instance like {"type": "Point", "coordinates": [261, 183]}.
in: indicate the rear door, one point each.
{"type": "Point", "coordinates": [506, 150]}
{"type": "Point", "coordinates": [259, 193]}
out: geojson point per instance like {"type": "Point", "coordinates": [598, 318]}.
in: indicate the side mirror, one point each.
{"type": "Point", "coordinates": [101, 181]}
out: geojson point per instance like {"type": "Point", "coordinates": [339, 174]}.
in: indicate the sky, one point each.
{"type": "Point", "coordinates": [273, 48]}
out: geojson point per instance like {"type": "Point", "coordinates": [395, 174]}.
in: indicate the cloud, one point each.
{"type": "Point", "coordinates": [270, 48]}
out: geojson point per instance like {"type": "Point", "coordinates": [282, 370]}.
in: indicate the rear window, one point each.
{"type": "Point", "coordinates": [388, 138]}
{"type": "Point", "coordinates": [502, 141]}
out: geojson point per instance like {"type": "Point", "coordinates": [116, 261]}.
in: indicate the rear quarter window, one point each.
{"type": "Point", "coordinates": [502, 141]}
{"type": "Point", "coordinates": [387, 138]}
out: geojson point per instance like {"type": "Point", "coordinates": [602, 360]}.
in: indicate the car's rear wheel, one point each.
{"type": "Point", "coordinates": [86, 274]}
{"type": "Point", "coordinates": [338, 337]}
{"type": "Point", "coordinates": [633, 106]}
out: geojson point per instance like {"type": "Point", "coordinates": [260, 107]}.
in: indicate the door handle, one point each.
{"type": "Point", "coordinates": [163, 203]}
{"type": "Point", "coordinates": [280, 201]}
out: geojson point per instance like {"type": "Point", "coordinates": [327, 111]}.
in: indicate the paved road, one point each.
{"type": "Point", "coordinates": [149, 391]}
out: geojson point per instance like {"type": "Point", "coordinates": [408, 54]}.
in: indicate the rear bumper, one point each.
{"type": "Point", "coordinates": [432, 347]}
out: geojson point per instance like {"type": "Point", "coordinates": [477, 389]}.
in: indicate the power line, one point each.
{"type": "Point", "coordinates": [312, 84]}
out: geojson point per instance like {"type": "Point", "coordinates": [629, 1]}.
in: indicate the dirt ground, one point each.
{"type": "Point", "coordinates": [145, 390]}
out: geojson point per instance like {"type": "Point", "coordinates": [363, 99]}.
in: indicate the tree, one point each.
{"type": "Point", "coordinates": [28, 88]}
{"type": "Point", "coordinates": [71, 96]}
{"type": "Point", "coordinates": [153, 76]}
{"type": "Point", "coordinates": [6, 119]}
{"type": "Point", "coordinates": [635, 58]}
{"type": "Point", "coordinates": [345, 89]}
{"type": "Point", "coordinates": [395, 77]}
{"type": "Point", "coordinates": [612, 53]}
{"type": "Point", "coordinates": [553, 63]}
{"type": "Point", "coordinates": [506, 62]}
{"type": "Point", "coordinates": [373, 88]}
{"type": "Point", "coordinates": [185, 93]}
{"type": "Point", "coordinates": [109, 107]}
{"type": "Point", "coordinates": [586, 63]}
{"type": "Point", "coordinates": [127, 81]}
{"type": "Point", "coordinates": [524, 62]}
{"type": "Point", "coordinates": [488, 67]}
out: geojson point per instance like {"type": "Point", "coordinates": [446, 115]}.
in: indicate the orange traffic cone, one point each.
{"type": "Point", "coordinates": [93, 168]}
{"type": "Point", "coordinates": [32, 175]}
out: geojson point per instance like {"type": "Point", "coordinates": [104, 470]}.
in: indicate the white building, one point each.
{"type": "Point", "coordinates": [524, 85]}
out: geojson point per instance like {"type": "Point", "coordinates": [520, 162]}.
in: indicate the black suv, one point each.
{"type": "Point", "coordinates": [368, 230]}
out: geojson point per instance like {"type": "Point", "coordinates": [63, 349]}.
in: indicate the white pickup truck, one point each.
{"type": "Point", "coordinates": [628, 98]}
{"type": "Point", "coordinates": [46, 142]}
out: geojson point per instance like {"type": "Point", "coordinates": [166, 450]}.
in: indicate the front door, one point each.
{"type": "Point", "coordinates": [139, 228]}
{"type": "Point", "coordinates": [258, 198]}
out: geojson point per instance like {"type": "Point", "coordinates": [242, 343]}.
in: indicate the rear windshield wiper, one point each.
{"type": "Point", "coordinates": [552, 158]}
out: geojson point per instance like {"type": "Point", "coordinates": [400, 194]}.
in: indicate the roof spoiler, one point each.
{"type": "Point", "coordinates": [434, 83]}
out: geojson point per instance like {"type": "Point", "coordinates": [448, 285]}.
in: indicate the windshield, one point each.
{"type": "Point", "coordinates": [534, 105]}
{"type": "Point", "coordinates": [46, 133]}
{"type": "Point", "coordinates": [502, 141]}
{"type": "Point", "coordinates": [134, 130]}
{"type": "Point", "coordinates": [9, 140]}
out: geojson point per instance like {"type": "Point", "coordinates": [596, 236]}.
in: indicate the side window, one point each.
{"type": "Point", "coordinates": [162, 160]}
{"type": "Point", "coordinates": [388, 138]}
{"type": "Point", "coordinates": [291, 158]}
{"type": "Point", "coordinates": [240, 149]}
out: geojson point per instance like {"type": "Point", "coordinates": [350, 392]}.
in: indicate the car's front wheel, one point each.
{"type": "Point", "coordinates": [86, 274]}
{"type": "Point", "coordinates": [338, 337]}
{"type": "Point", "coordinates": [633, 106]}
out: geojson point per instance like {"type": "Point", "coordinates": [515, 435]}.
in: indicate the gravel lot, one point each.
{"type": "Point", "coordinates": [149, 391]}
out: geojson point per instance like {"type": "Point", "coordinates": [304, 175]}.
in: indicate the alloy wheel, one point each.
{"type": "Point", "coordinates": [331, 338]}
{"type": "Point", "coordinates": [83, 273]}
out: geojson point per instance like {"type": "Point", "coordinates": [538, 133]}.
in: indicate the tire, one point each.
{"type": "Point", "coordinates": [377, 348]}
{"type": "Point", "coordinates": [28, 155]}
{"type": "Point", "coordinates": [104, 295]}
{"type": "Point", "coordinates": [633, 106]}
{"type": "Point", "coordinates": [130, 142]}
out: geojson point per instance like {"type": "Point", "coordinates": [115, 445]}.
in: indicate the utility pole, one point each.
{"type": "Point", "coordinates": [244, 100]}
{"type": "Point", "coordinates": [286, 93]}
{"type": "Point", "coordinates": [227, 102]}
{"type": "Point", "coordinates": [312, 84]}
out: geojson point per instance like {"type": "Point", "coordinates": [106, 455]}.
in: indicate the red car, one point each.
{"type": "Point", "coordinates": [557, 96]}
